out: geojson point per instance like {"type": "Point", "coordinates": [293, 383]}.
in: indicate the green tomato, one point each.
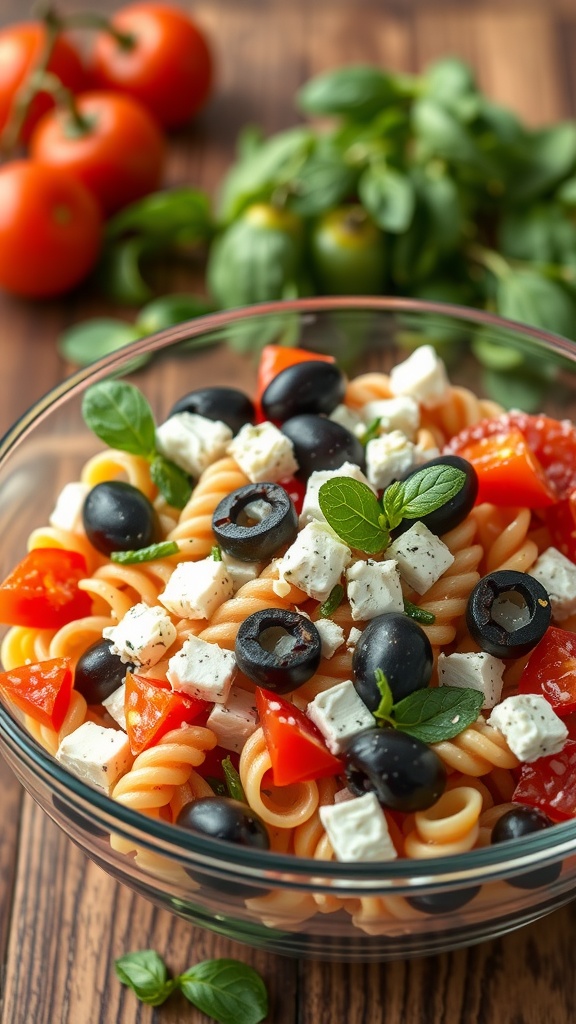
{"type": "Point", "coordinates": [348, 252]}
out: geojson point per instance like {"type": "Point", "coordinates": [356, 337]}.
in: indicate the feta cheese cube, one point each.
{"type": "Point", "coordinates": [193, 442]}
{"type": "Point", "coordinates": [331, 636]}
{"type": "Point", "coordinates": [202, 670]}
{"type": "Point", "coordinates": [314, 562]}
{"type": "Point", "coordinates": [349, 419]}
{"type": "Point", "coordinates": [340, 713]}
{"type": "Point", "coordinates": [263, 453]}
{"type": "Point", "coordinates": [67, 512]}
{"type": "Point", "coordinates": [196, 589]}
{"type": "Point", "coordinates": [114, 705]}
{"type": "Point", "coordinates": [422, 557]}
{"type": "Point", "coordinates": [96, 755]}
{"type": "Point", "coordinates": [358, 830]}
{"type": "Point", "coordinates": [234, 721]}
{"type": "Point", "coordinates": [353, 638]}
{"type": "Point", "coordinates": [532, 729]}
{"type": "Point", "coordinates": [241, 572]}
{"type": "Point", "coordinates": [374, 588]}
{"type": "Point", "coordinates": [401, 413]}
{"type": "Point", "coordinates": [557, 574]}
{"type": "Point", "coordinates": [389, 457]}
{"type": "Point", "coordinates": [474, 671]}
{"type": "Point", "coordinates": [311, 504]}
{"type": "Point", "coordinates": [142, 636]}
{"type": "Point", "coordinates": [422, 376]}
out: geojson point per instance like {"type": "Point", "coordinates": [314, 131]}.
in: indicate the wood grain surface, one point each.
{"type": "Point", "coordinates": [62, 920]}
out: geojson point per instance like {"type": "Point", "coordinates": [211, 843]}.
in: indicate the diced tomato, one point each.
{"type": "Point", "coordinates": [297, 749]}
{"type": "Point", "coordinates": [561, 521]}
{"type": "Point", "coordinates": [152, 710]}
{"type": "Point", "coordinates": [551, 670]}
{"type": "Point", "coordinates": [295, 490]}
{"type": "Point", "coordinates": [42, 690]}
{"type": "Point", "coordinates": [276, 358]}
{"type": "Point", "coordinates": [550, 784]}
{"type": "Point", "coordinates": [42, 590]}
{"type": "Point", "coordinates": [508, 471]}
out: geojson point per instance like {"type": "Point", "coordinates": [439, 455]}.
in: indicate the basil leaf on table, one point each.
{"type": "Point", "coordinates": [161, 215]}
{"type": "Point", "coordinates": [352, 510]}
{"type": "Point", "coordinates": [528, 296]}
{"type": "Point", "coordinates": [170, 310]}
{"type": "Point", "coordinates": [148, 554]}
{"type": "Point", "coordinates": [437, 713]}
{"type": "Point", "coordinates": [388, 195]}
{"type": "Point", "coordinates": [93, 339]}
{"type": "Point", "coordinates": [120, 416]}
{"type": "Point", "coordinates": [119, 271]}
{"type": "Point", "coordinates": [145, 973]}
{"type": "Point", "coordinates": [172, 482]}
{"type": "Point", "coordinates": [228, 991]}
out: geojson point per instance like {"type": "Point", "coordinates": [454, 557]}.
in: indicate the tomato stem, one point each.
{"type": "Point", "coordinates": [29, 89]}
{"type": "Point", "coordinates": [91, 19]}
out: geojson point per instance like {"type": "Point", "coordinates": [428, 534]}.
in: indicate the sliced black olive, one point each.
{"type": "Point", "coordinates": [508, 613]}
{"type": "Point", "coordinates": [454, 511]}
{"type": "Point", "coordinates": [254, 521]}
{"type": "Point", "coordinates": [99, 672]}
{"type": "Point", "coordinates": [278, 649]}
{"type": "Point", "coordinates": [523, 821]}
{"type": "Point", "coordinates": [443, 902]}
{"type": "Point", "coordinates": [118, 517]}
{"type": "Point", "coordinates": [399, 647]}
{"type": "Point", "coordinates": [321, 444]}
{"type": "Point", "coordinates": [228, 405]}
{"type": "Point", "coordinates": [404, 773]}
{"type": "Point", "coordinates": [314, 386]}
{"type": "Point", "coordinates": [223, 818]}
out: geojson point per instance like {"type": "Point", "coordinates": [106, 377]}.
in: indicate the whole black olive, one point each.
{"type": "Point", "coordinates": [118, 517]}
{"type": "Point", "coordinates": [242, 534]}
{"type": "Point", "coordinates": [404, 773]}
{"type": "Point", "coordinates": [314, 386]}
{"type": "Point", "coordinates": [454, 511]}
{"type": "Point", "coordinates": [523, 821]}
{"type": "Point", "coordinates": [508, 613]}
{"type": "Point", "coordinates": [399, 647]}
{"type": "Point", "coordinates": [443, 902]}
{"type": "Point", "coordinates": [99, 672]}
{"type": "Point", "coordinates": [320, 443]}
{"type": "Point", "coordinates": [223, 818]}
{"type": "Point", "coordinates": [228, 405]}
{"type": "Point", "coordinates": [278, 649]}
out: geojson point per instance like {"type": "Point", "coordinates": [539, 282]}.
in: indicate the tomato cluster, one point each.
{"type": "Point", "coordinates": [94, 132]}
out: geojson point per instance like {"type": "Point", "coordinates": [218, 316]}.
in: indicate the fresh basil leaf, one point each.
{"type": "Point", "coordinates": [353, 512]}
{"type": "Point", "coordinates": [145, 973]}
{"type": "Point", "coordinates": [120, 416]}
{"type": "Point", "coordinates": [449, 79]}
{"type": "Point", "coordinates": [232, 779]}
{"type": "Point", "coordinates": [228, 991]}
{"type": "Point", "coordinates": [169, 310]}
{"type": "Point", "coordinates": [148, 554]}
{"type": "Point", "coordinates": [429, 489]}
{"type": "Point", "coordinates": [419, 614]}
{"type": "Point", "coordinates": [389, 197]}
{"type": "Point", "coordinates": [549, 155]}
{"type": "Point", "coordinates": [531, 298]}
{"type": "Point", "coordinates": [119, 272]}
{"type": "Point", "coordinates": [443, 135]}
{"type": "Point", "coordinates": [543, 234]}
{"type": "Point", "coordinates": [438, 713]}
{"type": "Point", "coordinates": [384, 709]}
{"type": "Point", "coordinates": [357, 91]}
{"type": "Point", "coordinates": [86, 342]}
{"type": "Point", "coordinates": [255, 177]}
{"type": "Point", "coordinates": [322, 182]}
{"type": "Point", "coordinates": [332, 602]}
{"type": "Point", "coordinates": [252, 262]}
{"type": "Point", "coordinates": [165, 215]}
{"type": "Point", "coordinates": [172, 482]}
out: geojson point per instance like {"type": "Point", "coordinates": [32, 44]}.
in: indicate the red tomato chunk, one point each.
{"type": "Point", "coordinates": [42, 591]}
{"type": "Point", "coordinates": [551, 670]}
{"type": "Point", "coordinates": [297, 749]}
{"type": "Point", "coordinates": [42, 690]}
{"type": "Point", "coordinates": [550, 784]}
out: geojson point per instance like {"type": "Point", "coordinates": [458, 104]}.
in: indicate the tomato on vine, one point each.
{"type": "Point", "coordinates": [348, 252]}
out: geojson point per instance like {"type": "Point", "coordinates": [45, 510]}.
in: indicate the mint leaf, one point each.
{"type": "Point", "coordinates": [353, 512]}
{"type": "Point", "coordinates": [120, 416]}
{"type": "Point", "coordinates": [429, 489]}
{"type": "Point", "coordinates": [228, 991]}
{"type": "Point", "coordinates": [437, 713]}
{"type": "Point", "coordinates": [146, 974]}
{"type": "Point", "coordinates": [233, 783]}
{"type": "Point", "coordinates": [393, 503]}
{"type": "Point", "coordinates": [172, 482]}
{"type": "Point", "coordinates": [149, 554]}
{"type": "Point", "coordinates": [384, 709]}
{"type": "Point", "coordinates": [419, 614]}
{"type": "Point", "coordinates": [332, 602]}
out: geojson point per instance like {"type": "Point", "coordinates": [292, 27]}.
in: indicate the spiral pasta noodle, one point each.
{"type": "Point", "coordinates": [113, 463]}
{"type": "Point", "coordinates": [157, 772]}
{"type": "Point", "coordinates": [280, 806]}
{"type": "Point", "coordinates": [450, 826]}
{"type": "Point", "coordinates": [476, 750]}
{"type": "Point", "coordinates": [193, 531]}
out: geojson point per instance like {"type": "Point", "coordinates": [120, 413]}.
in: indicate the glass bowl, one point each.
{"type": "Point", "coordinates": [294, 906]}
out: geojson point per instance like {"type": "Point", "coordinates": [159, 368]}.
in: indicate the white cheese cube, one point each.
{"type": "Point", "coordinates": [358, 830]}
{"type": "Point", "coordinates": [331, 636]}
{"type": "Point", "coordinates": [202, 670]}
{"type": "Point", "coordinates": [557, 574]}
{"type": "Point", "coordinates": [353, 638]}
{"type": "Point", "coordinates": [234, 721]}
{"type": "Point", "coordinates": [314, 562]}
{"type": "Point", "coordinates": [390, 457]}
{"type": "Point", "coordinates": [532, 729]}
{"type": "Point", "coordinates": [115, 706]}
{"type": "Point", "coordinates": [422, 376]}
{"type": "Point", "coordinates": [422, 557]}
{"type": "Point", "coordinates": [241, 572]}
{"type": "Point", "coordinates": [474, 671]}
{"type": "Point", "coordinates": [96, 755]}
{"type": "Point", "coordinates": [349, 419]}
{"type": "Point", "coordinates": [311, 503]}
{"type": "Point", "coordinates": [193, 442]}
{"type": "Point", "coordinates": [263, 453]}
{"type": "Point", "coordinates": [401, 413]}
{"type": "Point", "coordinates": [143, 636]}
{"type": "Point", "coordinates": [374, 588]}
{"type": "Point", "coordinates": [67, 512]}
{"type": "Point", "coordinates": [196, 589]}
{"type": "Point", "coordinates": [340, 713]}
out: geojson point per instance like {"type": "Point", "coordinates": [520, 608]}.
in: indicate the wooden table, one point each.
{"type": "Point", "coordinates": [62, 920]}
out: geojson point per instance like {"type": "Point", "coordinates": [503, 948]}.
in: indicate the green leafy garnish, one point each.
{"type": "Point", "coordinates": [384, 709]}
{"type": "Point", "coordinates": [232, 779]}
{"type": "Point", "coordinates": [216, 553]}
{"type": "Point", "coordinates": [372, 431]}
{"type": "Point", "coordinates": [172, 482]}
{"type": "Point", "coordinates": [419, 614]}
{"type": "Point", "coordinates": [332, 602]}
{"type": "Point", "coordinates": [146, 974]}
{"type": "Point", "coordinates": [217, 785]}
{"type": "Point", "coordinates": [432, 714]}
{"type": "Point", "coordinates": [120, 416]}
{"type": "Point", "coordinates": [422, 493]}
{"type": "Point", "coordinates": [148, 554]}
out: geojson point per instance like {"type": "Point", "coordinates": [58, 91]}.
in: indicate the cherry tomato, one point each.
{"type": "Point", "coordinates": [297, 749]}
{"type": "Point", "coordinates": [508, 471]}
{"type": "Point", "coordinates": [50, 230]}
{"type": "Point", "coordinates": [153, 710]}
{"type": "Point", "coordinates": [118, 154]}
{"type": "Point", "coordinates": [348, 253]}
{"type": "Point", "coordinates": [168, 65]}
{"type": "Point", "coordinates": [42, 690]}
{"type": "Point", "coordinates": [20, 49]}
{"type": "Point", "coordinates": [551, 670]}
{"type": "Point", "coordinates": [42, 590]}
{"type": "Point", "coordinates": [550, 784]}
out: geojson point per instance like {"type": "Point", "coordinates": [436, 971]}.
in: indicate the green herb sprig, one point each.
{"type": "Point", "coordinates": [432, 714]}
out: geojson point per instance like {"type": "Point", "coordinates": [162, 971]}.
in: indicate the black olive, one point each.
{"type": "Point", "coordinates": [488, 607]}
{"type": "Point", "coordinates": [320, 443]}
{"type": "Point", "coordinates": [454, 511]}
{"type": "Point", "coordinates": [99, 672]}
{"type": "Point", "coordinates": [314, 386]}
{"type": "Point", "coordinates": [404, 773]}
{"type": "Point", "coordinates": [248, 537]}
{"type": "Point", "coordinates": [223, 818]}
{"type": "Point", "coordinates": [443, 902]}
{"type": "Point", "coordinates": [399, 647]}
{"type": "Point", "coordinates": [523, 821]}
{"type": "Point", "coordinates": [228, 405]}
{"type": "Point", "coordinates": [118, 517]}
{"type": "Point", "coordinates": [278, 649]}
